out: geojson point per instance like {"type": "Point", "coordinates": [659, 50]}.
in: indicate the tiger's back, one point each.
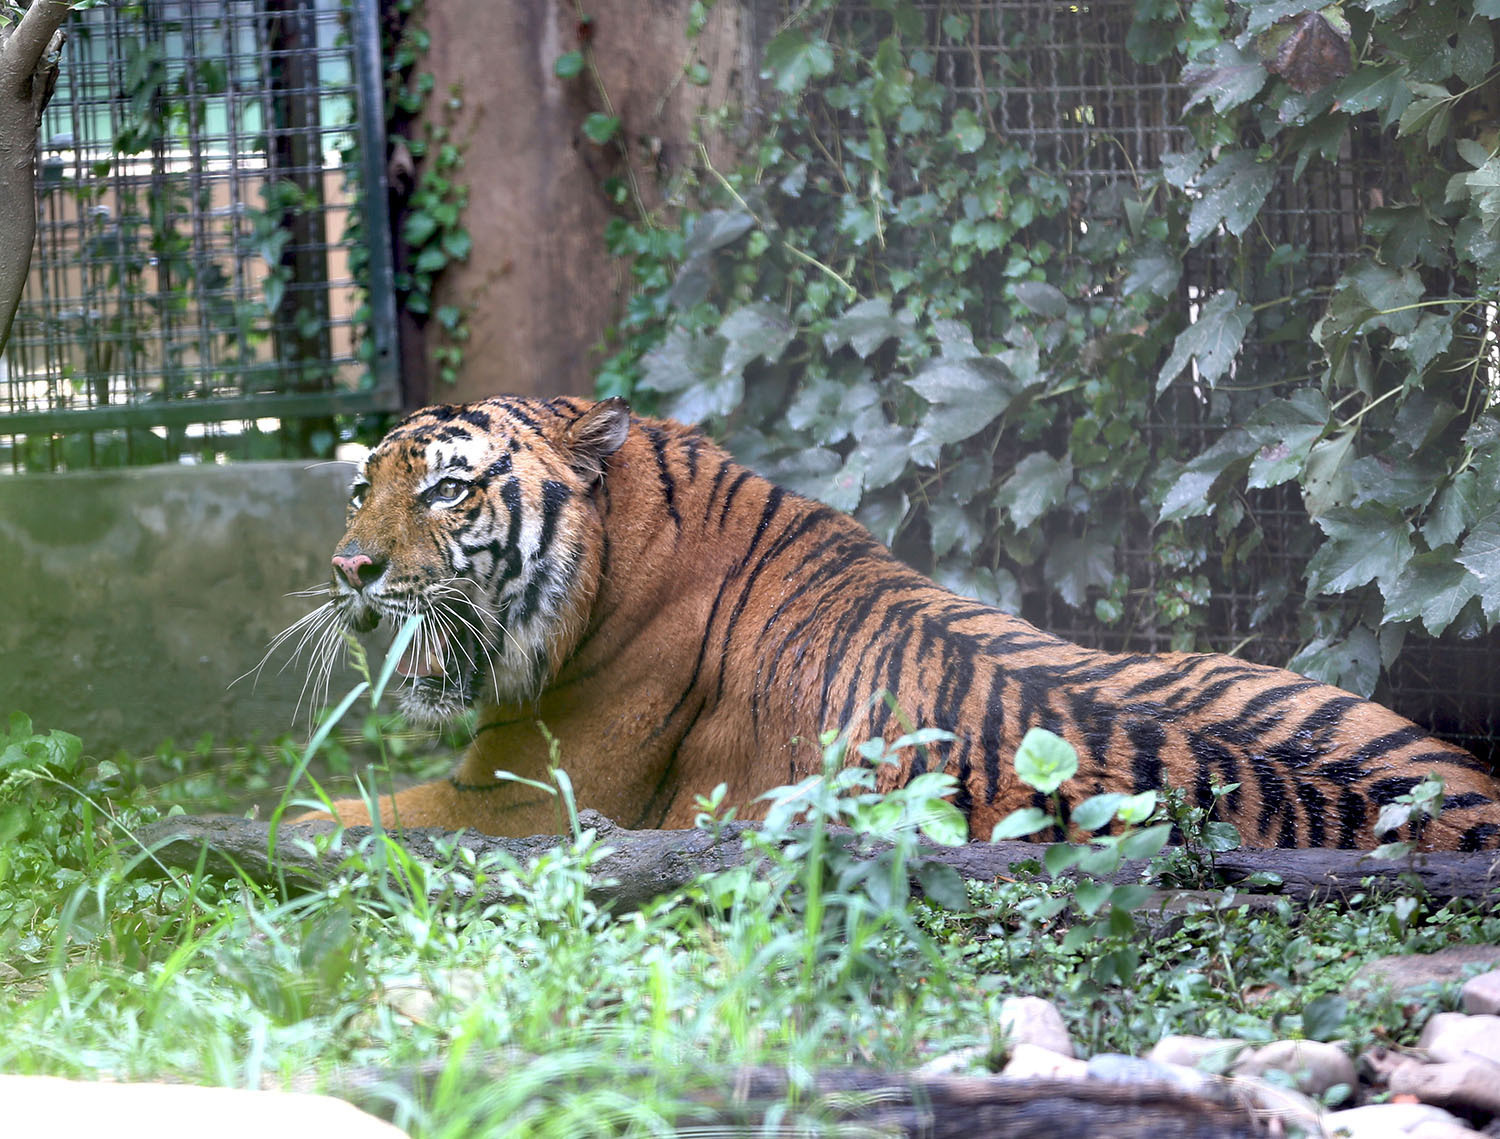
{"type": "Point", "coordinates": [712, 625]}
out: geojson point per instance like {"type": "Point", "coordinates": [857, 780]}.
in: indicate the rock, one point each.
{"type": "Point", "coordinates": [1314, 1066]}
{"type": "Point", "coordinates": [1383, 1120]}
{"type": "Point", "coordinates": [1284, 1107]}
{"type": "Point", "coordinates": [1031, 1020]}
{"type": "Point", "coordinates": [1481, 994]}
{"type": "Point", "coordinates": [418, 1002]}
{"type": "Point", "coordinates": [1032, 1061]}
{"type": "Point", "coordinates": [1454, 1036]}
{"type": "Point", "coordinates": [959, 1062]}
{"type": "Point", "coordinates": [46, 1105]}
{"type": "Point", "coordinates": [1462, 1083]}
{"type": "Point", "coordinates": [1406, 972]}
{"type": "Point", "coordinates": [1114, 1068]}
{"type": "Point", "coordinates": [1206, 1052]}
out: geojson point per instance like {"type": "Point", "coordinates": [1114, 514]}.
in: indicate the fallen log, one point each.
{"type": "Point", "coordinates": [870, 1102]}
{"type": "Point", "coordinates": [643, 865]}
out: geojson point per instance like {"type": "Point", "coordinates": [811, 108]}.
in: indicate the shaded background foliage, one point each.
{"type": "Point", "coordinates": [1167, 326]}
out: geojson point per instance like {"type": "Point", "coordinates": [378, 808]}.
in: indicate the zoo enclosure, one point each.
{"type": "Point", "coordinates": [212, 183]}
{"type": "Point", "coordinates": [212, 271]}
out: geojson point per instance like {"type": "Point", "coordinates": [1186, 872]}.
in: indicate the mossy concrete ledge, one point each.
{"type": "Point", "coordinates": [131, 600]}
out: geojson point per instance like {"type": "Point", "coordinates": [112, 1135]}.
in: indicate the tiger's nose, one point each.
{"type": "Point", "coordinates": [360, 569]}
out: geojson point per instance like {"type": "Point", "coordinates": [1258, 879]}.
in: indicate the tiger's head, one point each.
{"type": "Point", "coordinates": [481, 519]}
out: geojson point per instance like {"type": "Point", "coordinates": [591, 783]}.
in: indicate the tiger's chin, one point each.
{"type": "Point", "coordinates": [432, 701]}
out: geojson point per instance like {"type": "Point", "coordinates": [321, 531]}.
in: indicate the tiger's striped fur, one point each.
{"type": "Point", "coordinates": [676, 621]}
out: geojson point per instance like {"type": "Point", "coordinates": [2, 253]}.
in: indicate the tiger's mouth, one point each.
{"type": "Point", "coordinates": [425, 660]}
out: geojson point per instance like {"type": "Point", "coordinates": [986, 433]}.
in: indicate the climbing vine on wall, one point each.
{"type": "Point", "coordinates": [895, 307]}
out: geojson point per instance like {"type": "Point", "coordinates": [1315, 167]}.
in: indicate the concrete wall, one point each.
{"type": "Point", "coordinates": [131, 599]}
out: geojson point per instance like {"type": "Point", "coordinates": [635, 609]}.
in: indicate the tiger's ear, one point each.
{"type": "Point", "coordinates": [596, 435]}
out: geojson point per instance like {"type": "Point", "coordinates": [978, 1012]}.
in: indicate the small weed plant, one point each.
{"type": "Point", "coordinates": [548, 1013]}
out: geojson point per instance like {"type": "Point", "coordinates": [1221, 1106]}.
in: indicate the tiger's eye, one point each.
{"type": "Point", "coordinates": [448, 491]}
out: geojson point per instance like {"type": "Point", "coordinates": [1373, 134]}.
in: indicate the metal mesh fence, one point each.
{"type": "Point", "coordinates": [1058, 79]}
{"type": "Point", "coordinates": [192, 292]}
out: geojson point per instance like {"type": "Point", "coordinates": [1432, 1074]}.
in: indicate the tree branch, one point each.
{"type": "Point", "coordinates": [647, 864]}
{"type": "Point", "coordinates": [28, 74]}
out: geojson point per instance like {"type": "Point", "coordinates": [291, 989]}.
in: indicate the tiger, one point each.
{"type": "Point", "coordinates": [619, 591]}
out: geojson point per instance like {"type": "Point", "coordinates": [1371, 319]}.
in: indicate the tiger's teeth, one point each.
{"type": "Point", "coordinates": [431, 664]}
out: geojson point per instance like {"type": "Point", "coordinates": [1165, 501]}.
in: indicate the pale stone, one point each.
{"type": "Point", "coordinates": [1116, 1068]}
{"type": "Point", "coordinates": [1481, 994]}
{"type": "Point", "coordinates": [47, 1105]}
{"type": "Point", "coordinates": [960, 1061]}
{"type": "Point", "coordinates": [1288, 1109]}
{"type": "Point", "coordinates": [419, 1002]}
{"type": "Point", "coordinates": [1470, 1083]}
{"type": "Point", "coordinates": [1033, 1062]}
{"type": "Point", "coordinates": [1405, 972]}
{"type": "Point", "coordinates": [1032, 1020]}
{"type": "Point", "coordinates": [1382, 1120]}
{"type": "Point", "coordinates": [1454, 1036]}
{"type": "Point", "coordinates": [1210, 1053]}
{"type": "Point", "coordinates": [1313, 1065]}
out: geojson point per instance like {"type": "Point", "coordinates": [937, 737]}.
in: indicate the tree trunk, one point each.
{"type": "Point", "coordinates": [28, 73]}
{"type": "Point", "coordinates": [647, 864]}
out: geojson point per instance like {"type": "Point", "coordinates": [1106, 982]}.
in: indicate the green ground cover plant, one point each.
{"type": "Point", "coordinates": [606, 1023]}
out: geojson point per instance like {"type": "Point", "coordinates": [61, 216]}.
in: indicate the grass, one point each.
{"type": "Point", "coordinates": [546, 1016]}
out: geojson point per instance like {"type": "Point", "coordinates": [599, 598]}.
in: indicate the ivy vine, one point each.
{"type": "Point", "coordinates": [895, 307]}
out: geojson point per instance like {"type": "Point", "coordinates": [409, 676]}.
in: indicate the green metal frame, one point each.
{"type": "Point", "coordinates": [385, 394]}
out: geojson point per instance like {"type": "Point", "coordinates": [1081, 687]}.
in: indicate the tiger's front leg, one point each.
{"type": "Point", "coordinates": [503, 808]}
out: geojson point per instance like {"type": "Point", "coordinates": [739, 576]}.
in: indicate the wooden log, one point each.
{"type": "Point", "coordinates": [868, 1101]}
{"type": "Point", "coordinates": [643, 865]}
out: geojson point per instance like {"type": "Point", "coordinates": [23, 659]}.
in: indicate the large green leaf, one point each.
{"type": "Point", "coordinates": [755, 331]}
{"type": "Point", "coordinates": [1074, 565]}
{"type": "Point", "coordinates": [1433, 588]}
{"type": "Point", "coordinates": [865, 327]}
{"type": "Point", "coordinates": [1231, 192]}
{"type": "Point", "coordinates": [794, 57]}
{"type": "Point", "coordinates": [1371, 543]}
{"type": "Point", "coordinates": [1213, 340]}
{"type": "Point", "coordinates": [1285, 431]}
{"type": "Point", "coordinates": [1226, 77]}
{"type": "Point", "coordinates": [1480, 554]}
{"type": "Point", "coordinates": [966, 396]}
{"type": "Point", "coordinates": [1351, 663]}
{"type": "Point", "coordinates": [1038, 483]}
{"type": "Point", "coordinates": [1191, 493]}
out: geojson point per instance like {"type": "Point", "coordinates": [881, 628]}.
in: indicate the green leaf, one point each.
{"type": "Point", "coordinates": [943, 823]}
{"type": "Point", "coordinates": [1372, 543]}
{"type": "Point", "coordinates": [599, 128]}
{"type": "Point", "coordinates": [1019, 824]}
{"type": "Point", "coordinates": [1378, 88]}
{"type": "Point", "coordinates": [1453, 512]}
{"type": "Point", "coordinates": [1038, 483]}
{"type": "Point", "coordinates": [1197, 484]}
{"type": "Point", "coordinates": [1059, 857]}
{"type": "Point", "coordinates": [1137, 808]}
{"type": "Point", "coordinates": [1433, 588]}
{"type": "Point", "coordinates": [1074, 565]}
{"type": "Point", "coordinates": [864, 327]}
{"type": "Point", "coordinates": [1231, 191]}
{"type": "Point", "coordinates": [967, 132]}
{"type": "Point", "coordinates": [1285, 430]}
{"type": "Point", "coordinates": [943, 885]}
{"type": "Point", "coordinates": [1323, 1017]}
{"type": "Point", "coordinates": [755, 331]}
{"type": "Point", "coordinates": [1096, 811]}
{"type": "Point", "coordinates": [966, 396]}
{"type": "Point", "coordinates": [1351, 663]}
{"type": "Point", "coordinates": [1227, 77]}
{"type": "Point", "coordinates": [1146, 843]}
{"type": "Point", "coordinates": [1089, 896]}
{"type": "Point", "coordinates": [1480, 554]}
{"type": "Point", "coordinates": [457, 244]}
{"type": "Point", "coordinates": [795, 57]}
{"type": "Point", "coordinates": [1156, 273]}
{"type": "Point", "coordinates": [569, 65]}
{"type": "Point", "coordinates": [1045, 761]}
{"type": "Point", "coordinates": [418, 229]}
{"type": "Point", "coordinates": [1213, 340]}
{"type": "Point", "coordinates": [1474, 52]}
{"type": "Point", "coordinates": [1041, 298]}
{"type": "Point", "coordinates": [1484, 192]}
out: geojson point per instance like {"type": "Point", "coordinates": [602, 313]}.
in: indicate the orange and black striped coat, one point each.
{"type": "Point", "coordinates": [676, 621]}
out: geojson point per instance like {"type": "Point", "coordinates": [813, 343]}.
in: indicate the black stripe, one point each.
{"type": "Point", "coordinates": [668, 483]}
{"type": "Point", "coordinates": [734, 489]}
